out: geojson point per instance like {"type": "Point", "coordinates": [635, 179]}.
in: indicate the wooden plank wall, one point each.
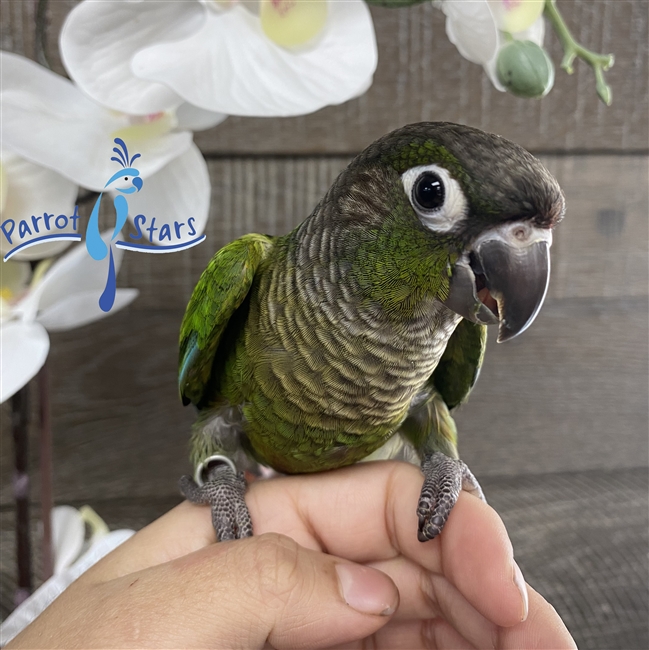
{"type": "Point", "coordinates": [421, 77]}
{"type": "Point", "coordinates": [569, 395]}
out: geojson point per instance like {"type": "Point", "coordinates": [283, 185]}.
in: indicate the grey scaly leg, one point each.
{"type": "Point", "coordinates": [224, 490]}
{"type": "Point", "coordinates": [444, 477]}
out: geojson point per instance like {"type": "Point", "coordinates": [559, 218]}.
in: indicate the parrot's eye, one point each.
{"type": "Point", "coordinates": [437, 198]}
{"type": "Point", "coordinates": [125, 178]}
{"type": "Point", "coordinates": [429, 191]}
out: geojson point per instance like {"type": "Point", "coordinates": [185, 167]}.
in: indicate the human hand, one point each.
{"type": "Point", "coordinates": [170, 585]}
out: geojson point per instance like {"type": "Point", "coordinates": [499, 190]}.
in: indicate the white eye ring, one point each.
{"type": "Point", "coordinates": [455, 207]}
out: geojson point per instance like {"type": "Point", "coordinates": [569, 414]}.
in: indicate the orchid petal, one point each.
{"type": "Point", "coordinates": [24, 348]}
{"type": "Point", "coordinates": [81, 308]}
{"type": "Point", "coordinates": [534, 33]}
{"type": "Point", "coordinates": [75, 272]}
{"type": "Point", "coordinates": [515, 16]}
{"type": "Point", "coordinates": [3, 187]}
{"type": "Point", "coordinates": [68, 533]}
{"type": "Point", "coordinates": [175, 194]}
{"type": "Point", "coordinates": [14, 278]}
{"type": "Point", "coordinates": [490, 68]}
{"type": "Point", "coordinates": [51, 589]}
{"type": "Point", "coordinates": [32, 191]}
{"type": "Point", "coordinates": [98, 40]}
{"type": "Point", "coordinates": [471, 27]}
{"type": "Point", "coordinates": [193, 118]}
{"type": "Point", "coordinates": [49, 121]}
{"type": "Point", "coordinates": [292, 24]}
{"type": "Point", "coordinates": [229, 66]}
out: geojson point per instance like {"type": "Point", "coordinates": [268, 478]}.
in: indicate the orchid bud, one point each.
{"type": "Point", "coordinates": [525, 69]}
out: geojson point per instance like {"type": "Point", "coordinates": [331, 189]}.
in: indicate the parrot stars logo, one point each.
{"type": "Point", "coordinates": [147, 238]}
{"type": "Point", "coordinates": [124, 182]}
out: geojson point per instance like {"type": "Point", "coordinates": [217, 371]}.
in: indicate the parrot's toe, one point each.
{"type": "Point", "coordinates": [444, 477]}
{"type": "Point", "coordinates": [224, 491]}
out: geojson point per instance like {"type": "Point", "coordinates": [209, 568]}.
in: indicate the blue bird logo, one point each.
{"type": "Point", "coordinates": [126, 181]}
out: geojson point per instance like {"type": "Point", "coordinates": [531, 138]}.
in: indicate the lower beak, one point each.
{"type": "Point", "coordinates": [503, 278]}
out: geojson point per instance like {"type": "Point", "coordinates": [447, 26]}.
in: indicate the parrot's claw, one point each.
{"type": "Point", "coordinates": [444, 477]}
{"type": "Point", "coordinates": [224, 490]}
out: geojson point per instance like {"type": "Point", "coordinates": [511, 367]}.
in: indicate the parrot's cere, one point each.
{"type": "Point", "coordinates": [355, 335]}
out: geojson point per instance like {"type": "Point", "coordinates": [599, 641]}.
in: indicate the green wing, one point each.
{"type": "Point", "coordinates": [459, 367]}
{"type": "Point", "coordinates": [222, 288]}
{"type": "Point", "coordinates": [429, 425]}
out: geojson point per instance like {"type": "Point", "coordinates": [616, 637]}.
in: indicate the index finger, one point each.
{"type": "Point", "coordinates": [181, 531]}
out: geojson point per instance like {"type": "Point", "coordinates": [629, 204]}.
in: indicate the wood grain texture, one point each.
{"type": "Point", "coordinates": [421, 76]}
{"type": "Point", "coordinates": [600, 250]}
{"type": "Point", "coordinates": [571, 394]}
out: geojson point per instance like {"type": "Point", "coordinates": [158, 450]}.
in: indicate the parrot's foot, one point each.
{"type": "Point", "coordinates": [224, 490]}
{"type": "Point", "coordinates": [444, 477]}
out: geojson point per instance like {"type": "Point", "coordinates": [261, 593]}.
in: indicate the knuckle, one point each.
{"type": "Point", "coordinates": [274, 563]}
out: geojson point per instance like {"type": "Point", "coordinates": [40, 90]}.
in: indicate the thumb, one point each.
{"type": "Point", "coordinates": [262, 589]}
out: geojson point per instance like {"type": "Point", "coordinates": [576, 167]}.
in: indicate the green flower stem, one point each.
{"type": "Point", "coordinates": [599, 62]}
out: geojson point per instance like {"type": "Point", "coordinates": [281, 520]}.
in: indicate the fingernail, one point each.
{"type": "Point", "coordinates": [367, 590]}
{"type": "Point", "coordinates": [519, 581]}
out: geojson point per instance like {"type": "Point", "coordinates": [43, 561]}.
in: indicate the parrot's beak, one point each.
{"type": "Point", "coordinates": [503, 278]}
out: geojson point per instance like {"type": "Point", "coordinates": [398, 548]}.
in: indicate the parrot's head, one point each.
{"type": "Point", "coordinates": [126, 181]}
{"type": "Point", "coordinates": [484, 203]}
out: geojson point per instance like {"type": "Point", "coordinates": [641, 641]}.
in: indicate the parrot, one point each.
{"type": "Point", "coordinates": [354, 336]}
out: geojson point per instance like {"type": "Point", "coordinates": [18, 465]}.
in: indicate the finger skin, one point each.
{"type": "Point", "coordinates": [425, 595]}
{"type": "Point", "coordinates": [183, 530]}
{"type": "Point", "coordinates": [428, 634]}
{"type": "Point", "coordinates": [229, 595]}
{"type": "Point", "coordinates": [359, 511]}
{"type": "Point", "coordinates": [368, 513]}
{"type": "Point", "coordinates": [543, 629]}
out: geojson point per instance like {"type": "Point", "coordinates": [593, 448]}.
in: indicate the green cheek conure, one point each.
{"type": "Point", "coordinates": [355, 335]}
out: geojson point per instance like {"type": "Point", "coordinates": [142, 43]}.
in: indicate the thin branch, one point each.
{"type": "Point", "coordinates": [599, 62]}
{"type": "Point", "coordinates": [45, 449]}
{"type": "Point", "coordinates": [19, 426]}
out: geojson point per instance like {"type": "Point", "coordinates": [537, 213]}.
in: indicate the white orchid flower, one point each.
{"type": "Point", "coordinates": [69, 541]}
{"type": "Point", "coordinates": [28, 190]}
{"type": "Point", "coordinates": [50, 122]}
{"type": "Point", "coordinates": [480, 28]}
{"type": "Point", "coordinates": [73, 555]}
{"type": "Point", "coordinates": [266, 58]}
{"type": "Point", "coordinates": [61, 297]}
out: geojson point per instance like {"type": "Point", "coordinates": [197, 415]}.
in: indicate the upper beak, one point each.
{"type": "Point", "coordinates": [503, 278]}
